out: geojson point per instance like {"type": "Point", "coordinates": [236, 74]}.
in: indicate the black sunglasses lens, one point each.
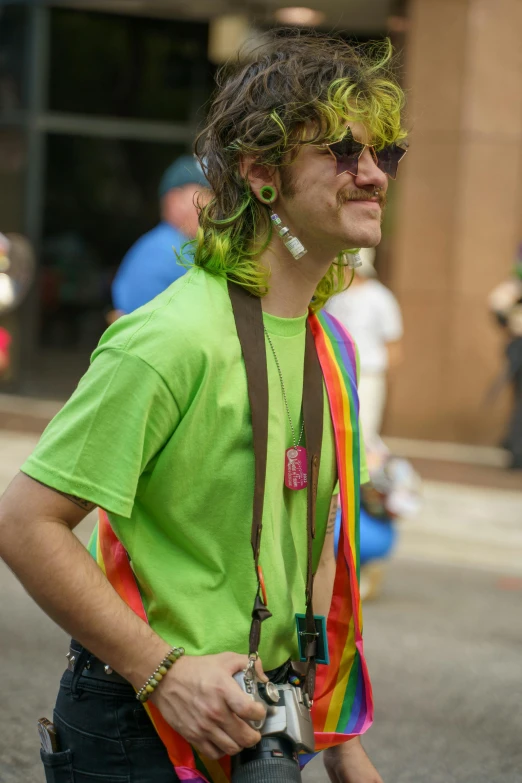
{"type": "Point", "coordinates": [388, 159]}
{"type": "Point", "coordinates": [347, 153]}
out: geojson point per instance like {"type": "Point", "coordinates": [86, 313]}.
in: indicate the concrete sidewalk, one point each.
{"type": "Point", "coordinates": [465, 525]}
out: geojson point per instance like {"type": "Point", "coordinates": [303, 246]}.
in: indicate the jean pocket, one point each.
{"type": "Point", "coordinates": [58, 766]}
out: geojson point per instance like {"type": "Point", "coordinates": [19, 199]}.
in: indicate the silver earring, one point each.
{"type": "Point", "coordinates": [291, 242]}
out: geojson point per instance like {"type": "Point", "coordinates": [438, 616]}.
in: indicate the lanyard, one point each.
{"type": "Point", "coordinates": [248, 317]}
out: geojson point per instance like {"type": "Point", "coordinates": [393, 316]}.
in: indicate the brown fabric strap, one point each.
{"type": "Point", "coordinates": [248, 316]}
{"type": "Point", "coordinates": [249, 325]}
{"type": "Point", "coordinates": [313, 419]}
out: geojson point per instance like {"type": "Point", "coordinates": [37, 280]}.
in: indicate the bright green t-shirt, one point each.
{"type": "Point", "coordinates": [158, 433]}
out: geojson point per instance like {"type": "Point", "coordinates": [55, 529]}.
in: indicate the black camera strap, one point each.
{"type": "Point", "coordinates": [248, 317]}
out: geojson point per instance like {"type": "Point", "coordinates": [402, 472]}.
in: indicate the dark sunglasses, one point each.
{"type": "Point", "coordinates": [348, 151]}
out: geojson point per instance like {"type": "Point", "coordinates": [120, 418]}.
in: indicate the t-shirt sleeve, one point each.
{"type": "Point", "coordinates": [390, 317]}
{"type": "Point", "coordinates": [102, 440]}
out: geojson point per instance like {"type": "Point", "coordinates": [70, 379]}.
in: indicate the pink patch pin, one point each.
{"type": "Point", "coordinates": [296, 468]}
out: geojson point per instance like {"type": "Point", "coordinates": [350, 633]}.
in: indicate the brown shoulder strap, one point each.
{"type": "Point", "coordinates": [313, 419]}
{"type": "Point", "coordinates": [249, 324]}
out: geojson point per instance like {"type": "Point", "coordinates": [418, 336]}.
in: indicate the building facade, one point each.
{"type": "Point", "coordinates": [458, 219]}
{"type": "Point", "coordinates": [93, 107]}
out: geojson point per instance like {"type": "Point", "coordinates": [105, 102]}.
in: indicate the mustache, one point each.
{"type": "Point", "coordinates": [351, 194]}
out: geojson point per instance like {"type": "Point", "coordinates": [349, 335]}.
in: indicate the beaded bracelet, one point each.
{"type": "Point", "coordinates": [156, 677]}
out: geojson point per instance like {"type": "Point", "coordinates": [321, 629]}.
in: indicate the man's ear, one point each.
{"type": "Point", "coordinates": [257, 174]}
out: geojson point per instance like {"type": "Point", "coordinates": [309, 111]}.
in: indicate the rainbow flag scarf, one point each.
{"type": "Point", "coordinates": [343, 705]}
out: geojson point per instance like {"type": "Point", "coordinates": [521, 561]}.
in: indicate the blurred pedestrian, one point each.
{"type": "Point", "coordinates": [372, 315]}
{"type": "Point", "coordinates": [505, 302]}
{"type": "Point", "coordinates": [17, 267]}
{"type": "Point", "coordinates": [150, 266]}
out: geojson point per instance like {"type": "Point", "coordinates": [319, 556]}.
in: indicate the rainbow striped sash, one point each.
{"type": "Point", "coordinates": [343, 705]}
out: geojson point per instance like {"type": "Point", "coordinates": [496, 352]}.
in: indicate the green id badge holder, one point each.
{"type": "Point", "coordinates": [320, 635]}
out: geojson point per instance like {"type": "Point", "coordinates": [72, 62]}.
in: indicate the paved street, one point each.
{"type": "Point", "coordinates": [444, 650]}
{"type": "Point", "coordinates": [444, 645]}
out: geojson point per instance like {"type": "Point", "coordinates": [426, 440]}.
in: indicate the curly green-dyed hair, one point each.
{"type": "Point", "coordinates": [295, 89]}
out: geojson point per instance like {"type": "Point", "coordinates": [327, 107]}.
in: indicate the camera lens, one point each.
{"type": "Point", "coordinates": [273, 760]}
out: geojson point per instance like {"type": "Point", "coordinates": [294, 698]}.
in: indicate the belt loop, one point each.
{"type": "Point", "coordinates": [79, 666]}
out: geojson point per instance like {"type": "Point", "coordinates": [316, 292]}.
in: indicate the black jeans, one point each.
{"type": "Point", "coordinates": [104, 733]}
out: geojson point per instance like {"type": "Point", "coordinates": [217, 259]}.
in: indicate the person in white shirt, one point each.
{"type": "Point", "coordinates": [372, 315]}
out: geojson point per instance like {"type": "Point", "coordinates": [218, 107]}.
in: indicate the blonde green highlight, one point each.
{"type": "Point", "coordinates": [296, 90]}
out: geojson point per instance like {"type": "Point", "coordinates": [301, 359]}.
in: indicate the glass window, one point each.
{"type": "Point", "coordinates": [13, 42]}
{"type": "Point", "coordinates": [127, 66]}
{"type": "Point", "coordinates": [13, 168]}
{"type": "Point", "coordinates": [100, 196]}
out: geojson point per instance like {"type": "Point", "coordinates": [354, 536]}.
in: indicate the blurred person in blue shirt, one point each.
{"type": "Point", "coordinates": [151, 264]}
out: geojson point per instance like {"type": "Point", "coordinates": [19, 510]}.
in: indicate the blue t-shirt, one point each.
{"type": "Point", "coordinates": [148, 268]}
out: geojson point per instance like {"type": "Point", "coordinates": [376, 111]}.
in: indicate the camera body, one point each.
{"type": "Point", "coordinates": [287, 714]}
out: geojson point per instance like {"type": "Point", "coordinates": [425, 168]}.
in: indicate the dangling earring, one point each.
{"type": "Point", "coordinates": [352, 260]}
{"type": "Point", "coordinates": [268, 195]}
{"type": "Point", "coordinates": [291, 242]}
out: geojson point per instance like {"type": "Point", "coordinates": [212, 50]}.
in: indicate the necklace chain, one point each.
{"type": "Point", "coordinates": [296, 443]}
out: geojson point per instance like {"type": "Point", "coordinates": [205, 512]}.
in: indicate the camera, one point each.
{"type": "Point", "coordinates": [285, 729]}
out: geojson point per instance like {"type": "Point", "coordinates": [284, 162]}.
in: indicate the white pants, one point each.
{"type": "Point", "coordinates": [372, 397]}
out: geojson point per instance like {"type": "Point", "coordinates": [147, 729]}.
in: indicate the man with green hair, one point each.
{"type": "Point", "coordinates": [200, 423]}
